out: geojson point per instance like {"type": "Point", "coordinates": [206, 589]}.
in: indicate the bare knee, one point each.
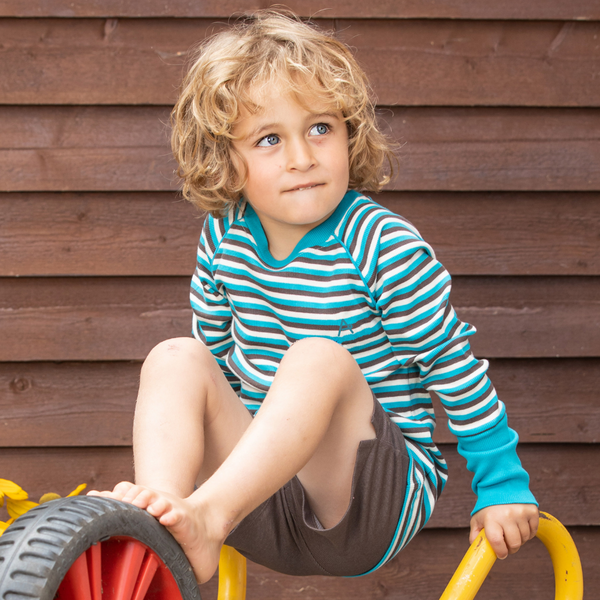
{"type": "Point", "coordinates": [323, 355]}
{"type": "Point", "coordinates": [323, 347]}
{"type": "Point", "coordinates": [177, 349]}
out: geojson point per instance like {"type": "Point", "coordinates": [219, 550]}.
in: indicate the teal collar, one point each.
{"type": "Point", "coordinates": [315, 237]}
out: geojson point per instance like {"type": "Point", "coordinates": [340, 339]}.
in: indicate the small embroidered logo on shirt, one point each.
{"type": "Point", "coordinates": [343, 326]}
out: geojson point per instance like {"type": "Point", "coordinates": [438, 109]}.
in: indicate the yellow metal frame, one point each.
{"type": "Point", "coordinates": [470, 574]}
{"type": "Point", "coordinates": [232, 575]}
{"type": "Point", "coordinates": [479, 559]}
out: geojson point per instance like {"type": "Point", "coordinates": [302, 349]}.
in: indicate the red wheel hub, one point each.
{"type": "Point", "coordinates": [120, 568]}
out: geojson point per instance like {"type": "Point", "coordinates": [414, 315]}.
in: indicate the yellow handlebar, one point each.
{"type": "Point", "coordinates": [480, 557]}
{"type": "Point", "coordinates": [470, 574]}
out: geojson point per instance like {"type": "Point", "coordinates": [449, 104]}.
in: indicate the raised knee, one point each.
{"type": "Point", "coordinates": [179, 348]}
{"type": "Point", "coordinates": [321, 351]}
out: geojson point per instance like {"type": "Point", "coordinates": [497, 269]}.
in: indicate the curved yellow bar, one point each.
{"type": "Point", "coordinates": [568, 576]}
{"type": "Point", "coordinates": [232, 575]}
{"type": "Point", "coordinates": [472, 571]}
{"type": "Point", "coordinates": [480, 557]}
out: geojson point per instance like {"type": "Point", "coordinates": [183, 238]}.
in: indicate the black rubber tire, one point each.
{"type": "Point", "coordinates": [38, 549]}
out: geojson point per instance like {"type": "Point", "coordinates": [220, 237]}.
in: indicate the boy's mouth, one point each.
{"type": "Point", "coordinates": [301, 188]}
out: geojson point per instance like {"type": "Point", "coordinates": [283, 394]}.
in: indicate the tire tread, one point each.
{"type": "Point", "coordinates": [38, 548]}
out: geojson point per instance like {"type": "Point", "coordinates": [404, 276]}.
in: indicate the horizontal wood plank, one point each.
{"type": "Point", "coordinates": [156, 233]}
{"type": "Point", "coordinates": [91, 404]}
{"type": "Point", "coordinates": [406, 9]}
{"type": "Point", "coordinates": [91, 318]}
{"type": "Point", "coordinates": [561, 477]}
{"type": "Point", "coordinates": [67, 404]}
{"type": "Point", "coordinates": [410, 62]}
{"type": "Point", "coordinates": [495, 149]}
{"type": "Point", "coordinates": [485, 63]}
{"type": "Point", "coordinates": [85, 148]}
{"type": "Point", "coordinates": [442, 149]}
{"type": "Point", "coordinates": [530, 317]}
{"type": "Point", "coordinates": [123, 318]}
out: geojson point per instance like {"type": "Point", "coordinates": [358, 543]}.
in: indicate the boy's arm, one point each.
{"type": "Point", "coordinates": [505, 506]}
{"type": "Point", "coordinates": [425, 332]}
{"type": "Point", "coordinates": [212, 316]}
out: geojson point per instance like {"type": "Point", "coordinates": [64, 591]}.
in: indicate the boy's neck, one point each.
{"type": "Point", "coordinates": [283, 240]}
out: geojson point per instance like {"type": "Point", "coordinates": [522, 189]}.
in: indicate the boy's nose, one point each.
{"type": "Point", "coordinates": [300, 156]}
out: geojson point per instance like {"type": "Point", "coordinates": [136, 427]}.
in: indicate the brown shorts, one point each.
{"type": "Point", "coordinates": [283, 533]}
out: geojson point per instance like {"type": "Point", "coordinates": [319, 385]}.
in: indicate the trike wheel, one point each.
{"type": "Point", "coordinates": [92, 548]}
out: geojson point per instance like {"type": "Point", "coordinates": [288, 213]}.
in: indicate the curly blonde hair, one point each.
{"type": "Point", "coordinates": [269, 46]}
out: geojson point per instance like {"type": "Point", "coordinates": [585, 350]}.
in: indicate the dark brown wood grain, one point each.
{"type": "Point", "coordinates": [442, 149]}
{"type": "Point", "coordinates": [561, 477]}
{"type": "Point", "coordinates": [495, 149]}
{"type": "Point", "coordinates": [91, 404]}
{"type": "Point", "coordinates": [67, 404]}
{"type": "Point", "coordinates": [406, 9]}
{"type": "Point", "coordinates": [506, 233]}
{"type": "Point", "coordinates": [489, 63]}
{"type": "Point", "coordinates": [156, 233]}
{"type": "Point", "coordinates": [91, 318]}
{"type": "Point", "coordinates": [530, 317]}
{"type": "Point", "coordinates": [409, 62]}
{"type": "Point", "coordinates": [122, 318]}
{"type": "Point", "coordinates": [85, 148]}
{"type": "Point", "coordinates": [61, 470]}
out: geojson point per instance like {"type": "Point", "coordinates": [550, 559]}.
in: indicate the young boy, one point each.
{"type": "Point", "coordinates": [324, 310]}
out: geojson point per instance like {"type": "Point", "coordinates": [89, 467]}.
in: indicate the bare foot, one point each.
{"type": "Point", "coordinates": [185, 518]}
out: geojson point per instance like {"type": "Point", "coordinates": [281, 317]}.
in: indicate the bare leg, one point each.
{"type": "Point", "coordinates": [187, 419]}
{"type": "Point", "coordinates": [313, 418]}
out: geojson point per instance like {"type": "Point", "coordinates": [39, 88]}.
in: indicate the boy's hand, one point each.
{"type": "Point", "coordinates": [507, 526]}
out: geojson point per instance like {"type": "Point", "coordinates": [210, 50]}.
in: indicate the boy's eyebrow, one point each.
{"type": "Point", "coordinates": [260, 129]}
{"type": "Point", "coordinates": [273, 125]}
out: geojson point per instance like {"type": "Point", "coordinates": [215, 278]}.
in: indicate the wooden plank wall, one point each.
{"type": "Point", "coordinates": [496, 106]}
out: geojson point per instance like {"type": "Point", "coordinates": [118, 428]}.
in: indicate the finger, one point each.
{"type": "Point", "coordinates": [526, 530]}
{"type": "Point", "coordinates": [475, 531]}
{"type": "Point", "coordinates": [513, 537]}
{"type": "Point", "coordinates": [495, 536]}
{"type": "Point", "coordinates": [534, 524]}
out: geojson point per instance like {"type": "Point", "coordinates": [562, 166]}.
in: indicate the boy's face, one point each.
{"type": "Point", "coordinates": [297, 161]}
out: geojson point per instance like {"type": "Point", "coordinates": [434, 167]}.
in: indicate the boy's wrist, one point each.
{"type": "Point", "coordinates": [499, 478]}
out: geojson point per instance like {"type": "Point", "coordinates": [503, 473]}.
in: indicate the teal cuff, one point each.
{"type": "Point", "coordinates": [498, 476]}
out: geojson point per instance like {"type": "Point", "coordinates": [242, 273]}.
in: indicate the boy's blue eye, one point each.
{"type": "Point", "coordinates": [319, 129]}
{"type": "Point", "coordinates": [269, 140]}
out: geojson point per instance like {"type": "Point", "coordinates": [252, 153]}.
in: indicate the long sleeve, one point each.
{"type": "Point", "coordinates": [212, 319]}
{"type": "Point", "coordinates": [413, 293]}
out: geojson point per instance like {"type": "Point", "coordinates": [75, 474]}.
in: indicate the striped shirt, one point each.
{"type": "Point", "coordinates": [366, 279]}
